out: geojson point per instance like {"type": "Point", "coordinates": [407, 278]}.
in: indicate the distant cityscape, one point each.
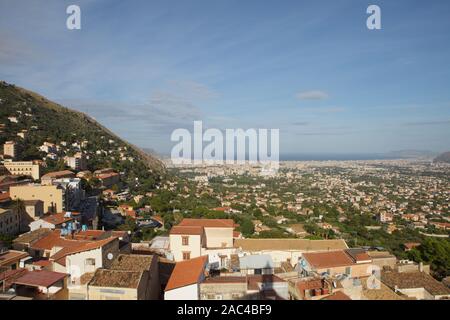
{"type": "Point", "coordinates": [216, 158]}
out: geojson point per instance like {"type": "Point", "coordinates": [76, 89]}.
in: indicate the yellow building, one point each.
{"type": "Point", "coordinates": [52, 196]}
{"type": "Point", "coordinates": [23, 168]}
{"type": "Point", "coordinates": [10, 149]}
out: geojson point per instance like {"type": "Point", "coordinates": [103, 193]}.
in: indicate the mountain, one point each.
{"type": "Point", "coordinates": [42, 121]}
{"type": "Point", "coordinates": [411, 154]}
{"type": "Point", "coordinates": [444, 157]}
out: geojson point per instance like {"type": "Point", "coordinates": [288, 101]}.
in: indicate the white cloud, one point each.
{"type": "Point", "coordinates": [312, 95]}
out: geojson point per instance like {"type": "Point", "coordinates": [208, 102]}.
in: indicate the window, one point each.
{"type": "Point", "coordinates": [186, 255]}
{"type": "Point", "coordinates": [348, 270]}
{"type": "Point", "coordinates": [185, 240]}
{"type": "Point", "coordinates": [90, 262]}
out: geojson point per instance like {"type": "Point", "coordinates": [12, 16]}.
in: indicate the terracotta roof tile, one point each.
{"type": "Point", "coordinates": [320, 260]}
{"type": "Point", "coordinates": [187, 272]}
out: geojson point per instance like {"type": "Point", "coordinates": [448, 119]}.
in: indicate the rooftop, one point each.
{"type": "Point", "coordinates": [11, 256]}
{"type": "Point", "coordinates": [116, 278]}
{"type": "Point", "coordinates": [207, 223]}
{"type": "Point", "coordinates": [42, 278]}
{"type": "Point", "coordinates": [187, 272]}
{"type": "Point", "coordinates": [290, 244]}
{"type": "Point", "coordinates": [407, 280]}
{"type": "Point", "coordinates": [58, 174]}
{"type": "Point", "coordinates": [32, 236]}
{"type": "Point", "coordinates": [132, 262]}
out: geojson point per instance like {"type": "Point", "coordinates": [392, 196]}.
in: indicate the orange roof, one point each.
{"type": "Point", "coordinates": [82, 246]}
{"type": "Point", "coordinates": [208, 223]}
{"type": "Point", "coordinates": [57, 218]}
{"type": "Point", "coordinates": [193, 230]}
{"type": "Point", "coordinates": [94, 234]}
{"type": "Point", "coordinates": [58, 174]}
{"type": "Point", "coordinates": [329, 259]}
{"type": "Point", "coordinates": [11, 256]}
{"type": "Point", "coordinates": [186, 273]}
{"type": "Point", "coordinates": [411, 245]}
{"type": "Point", "coordinates": [54, 239]}
{"type": "Point", "coordinates": [310, 284]}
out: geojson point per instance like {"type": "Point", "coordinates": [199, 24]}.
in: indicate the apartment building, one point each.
{"type": "Point", "coordinates": [23, 168]}
{"type": "Point", "coordinates": [9, 222]}
{"type": "Point", "coordinates": [52, 196]}
{"type": "Point", "coordinates": [77, 161]}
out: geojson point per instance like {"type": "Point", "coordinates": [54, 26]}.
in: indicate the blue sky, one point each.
{"type": "Point", "coordinates": [310, 68]}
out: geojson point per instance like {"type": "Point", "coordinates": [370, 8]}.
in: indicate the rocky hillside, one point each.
{"type": "Point", "coordinates": [40, 120]}
{"type": "Point", "coordinates": [445, 157]}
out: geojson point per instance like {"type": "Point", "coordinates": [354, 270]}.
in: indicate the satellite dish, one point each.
{"type": "Point", "coordinates": [110, 256]}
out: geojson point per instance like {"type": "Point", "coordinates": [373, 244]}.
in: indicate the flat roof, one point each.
{"type": "Point", "coordinates": [304, 245]}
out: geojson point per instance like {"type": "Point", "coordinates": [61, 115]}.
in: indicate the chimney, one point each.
{"type": "Point", "coordinates": [421, 266]}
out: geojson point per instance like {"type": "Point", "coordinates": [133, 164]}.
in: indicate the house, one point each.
{"type": "Point", "coordinates": [55, 221]}
{"type": "Point", "coordinates": [108, 177]}
{"type": "Point", "coordinates": [416, 284]}
{"type": "Point", "coordinates": [184, 282]}
{"type": "Point", "coordinates": [411, 245]}
{"type": "Point", "coordinates": [9, 222]}
{"type": "Point", "coordinates": [73, 256]}
{"type": "Point", "coordinates": [12, 259]}
{"type": "Point", "coordinates": [48, 147]}
{"type": "Point", "coordinates": [297, 229]}
{"type": "Point", "coordinates": [42, 285]}
{"type": "Point", "coordinates": [385, 217]}
{"type": "Point", "coordinates": [47, 179]}
{"type": "Point", "coordinates": [282, 250]}
{"type": "Point", "coordinates": [352, 262]}
{"type": "Point", "coordinates": [77, 161]}
{"type": "Point", "coordinates": [130, 277]}
{"type": "Point", "coordinates": [193, 238]}
{"type": "Point", "coordinates": [25, 240]}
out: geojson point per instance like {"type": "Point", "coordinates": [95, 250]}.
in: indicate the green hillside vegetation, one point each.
{"type": "Point", "coordinates": [46, 121]}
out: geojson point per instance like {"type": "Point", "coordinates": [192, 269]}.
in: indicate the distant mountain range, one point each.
{"type": "Point", "coordinates": [411, 154]}
{"type": "Point", "coordinates": [443, 158]}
